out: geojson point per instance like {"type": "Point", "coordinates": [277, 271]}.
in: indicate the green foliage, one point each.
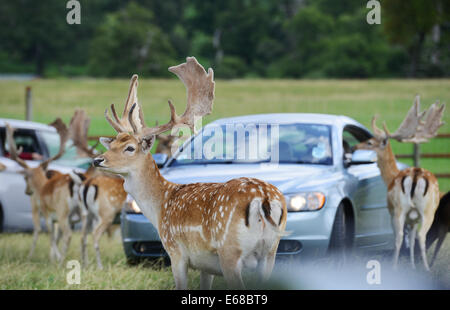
{"type": "Point", "coordinates": [239, 38]}
{"type": "Point", "coordinates": [128, 42]}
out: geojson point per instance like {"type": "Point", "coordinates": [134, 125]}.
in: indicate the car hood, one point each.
{"type": "Point", "coordinates": [289, 178]}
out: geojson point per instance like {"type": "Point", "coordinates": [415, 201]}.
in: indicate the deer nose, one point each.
{"type": "Point", "coordinates": [98, 161]}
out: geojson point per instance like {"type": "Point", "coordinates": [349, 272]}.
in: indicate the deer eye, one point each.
{"type": "Point", "coordinates": [130, 149]}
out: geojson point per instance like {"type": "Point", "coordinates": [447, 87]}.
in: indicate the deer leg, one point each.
{"type": "Point", "coordinates": [412, 239]}
{"type": "Point", "coordinates": [98, 231]}
{"type": "Point", "coordinates": [206, 280]}
{"type": "Point", "coordinates": [36, 228]}
{"type": "Point", "coordinates": [399, 224]}
{"type": "Point", "coordinates": [265, 266]}
{"type": "Point", "coordinates": [231, 265]}
{"type": "Point", "coordinates": [422, 243]}
{"type": "Point", "coordinates": [179, 271]}
{"type": "Point", "coordinates": [441, 237]}
{"type": "Point", "coordinates": [66, 237]}
{"type": "Point", "coordinates": [54, 251]}
{"type": "Point", "coordinates": [84, 254]}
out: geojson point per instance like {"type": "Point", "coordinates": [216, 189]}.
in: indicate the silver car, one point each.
{"type": "Point", "coordinates": [38, 142]}
{"type": "Point", "coordinates": [336, 198]}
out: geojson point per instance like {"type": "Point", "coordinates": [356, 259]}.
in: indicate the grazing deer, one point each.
{"type": "Point", "coordinates": [51, 193]}
{"type": "Point", "coordinates": [413, 193]}
{"type": "Point", "coordinates": [218, 228]}
{"type": "Point", "coordinates": [100, 196]}
{"type": "Point", "coordinates": [440, 226]}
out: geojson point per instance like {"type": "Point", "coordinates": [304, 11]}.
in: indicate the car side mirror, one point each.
{"type": "Point", "coordinates": [160, 159]}
{"type": "Point", "coordinates": [361, 157]}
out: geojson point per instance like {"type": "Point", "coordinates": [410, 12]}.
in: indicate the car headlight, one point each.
{"type": "Point", "coordinates": [132, 207]}
{"type": "Point", "coordinates": [310, 201]}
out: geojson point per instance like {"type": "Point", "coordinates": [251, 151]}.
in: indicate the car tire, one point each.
{"type": "Point", "coordinates": [341, 235]}
{"type": "Point", "coordinates": [1, 219]}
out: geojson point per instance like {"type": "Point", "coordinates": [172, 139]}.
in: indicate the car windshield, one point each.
{"type": "Point", "coordinates": [256, 143]}
{"type": "Point", "coordinates": [70, 156]}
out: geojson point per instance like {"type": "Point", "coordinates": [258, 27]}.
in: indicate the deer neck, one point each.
{"type": "Point", "coordinates": [148, 187]}
{"type": "Point", "coordinates": [39, 180]}
{"type": "Point", "coordinates": [387, 164]}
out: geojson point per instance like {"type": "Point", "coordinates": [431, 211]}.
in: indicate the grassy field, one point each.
{"type": "Point", "coordinates": [359, 99]}
{"type": "Point", "coordinates": [18, 272]}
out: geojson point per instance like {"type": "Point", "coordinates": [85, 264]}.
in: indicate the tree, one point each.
{"type": "Point", "coordinates": [408, 23]}
{"type": "Point", "coordinates": [129, 42]}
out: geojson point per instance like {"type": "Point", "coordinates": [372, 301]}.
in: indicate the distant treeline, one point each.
{"type": "Point", "coordinates": [238, 38]}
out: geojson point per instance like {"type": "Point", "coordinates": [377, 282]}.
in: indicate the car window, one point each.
{"type": "Point", "coordinates": [51, 140]}
{"type": "Point", "coordinates": [351, 136]}
{"type": "Point", "coordinates": [250, 143]}
{"type": "Point", "coordinates": [26, 141]}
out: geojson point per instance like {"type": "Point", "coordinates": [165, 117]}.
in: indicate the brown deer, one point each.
{"type": "Point", "coordinates": [165, 143]}
{"type": "Point", "coordinates": [218, 228]}
{"type": "Point", "coordinates": [440, 226]}
{"type": "Point", "coordinates": [413, 193]}
{"type": "Point", "coordinates": [101, 196]}
{"type": "Point", "coordinates": [51, 193]}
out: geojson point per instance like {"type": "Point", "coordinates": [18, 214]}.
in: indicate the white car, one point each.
{"type": "Point", "coordinates": [38, 142]}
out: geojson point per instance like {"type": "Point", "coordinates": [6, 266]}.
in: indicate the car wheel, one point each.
{"type": "Point", "coordinates": [1, 219]}
{"type": "Point", "coordinates": [341, 235]}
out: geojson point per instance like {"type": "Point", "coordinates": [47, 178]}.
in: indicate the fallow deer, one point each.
{"type": "Point", "coordinates": [413, 193]}
{"type": "Point", "coordinates": [218, 228]}
{"type": "Point", "coordinates": [101, 196]}
{"type": "Point", "coordinates": [51, 194]}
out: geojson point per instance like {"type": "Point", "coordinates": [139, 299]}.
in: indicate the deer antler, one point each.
{"type": "Point", "coordinates": [122, 124]}
{"type": "Point", "coordinates": [13, 152]}
{"type": "Point", "coordinates": [378, 133]}
{"type": "Point", "coordinates": [63, 132]}
{"type": "Point", "coordinates": [413, 128]}
{"type": "Point", "coordinates": [78, 130]}
{"type": "Point", "coordinates": [430, 127]}
{"type": "Point", "coordinates": [200, 97]}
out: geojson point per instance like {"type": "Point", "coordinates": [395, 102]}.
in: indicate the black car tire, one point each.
{"type": "Point", "coordinates": [1, 219]}
{"type": "Point", "coordinates": [341, 235]}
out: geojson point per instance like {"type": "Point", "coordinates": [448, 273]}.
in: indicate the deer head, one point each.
{"type": "Point", "coordinates": [416, 127]}
{"type": "Point", "coordinates": [135, 139]}
{"type": "Point", "coordinates": [35, 177]}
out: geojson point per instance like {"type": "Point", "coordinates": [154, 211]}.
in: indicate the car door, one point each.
{"type": "Point", "coordinates": [373, 226]}
{"type": "Point", "coordinates": [15, 204]}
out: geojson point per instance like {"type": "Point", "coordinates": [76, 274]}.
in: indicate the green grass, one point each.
{"type": "Point", "coordinates": [18, 272]}
{"type": "Point", "coordinates": [359, 99]}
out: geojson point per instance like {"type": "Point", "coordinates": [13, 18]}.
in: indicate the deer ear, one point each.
{"type": "Point", "coordinates": [106, 142]}
{"type": "Point", "coordinates": [384, 142]}
{"type": "Point", "coordinates": [147, 143]}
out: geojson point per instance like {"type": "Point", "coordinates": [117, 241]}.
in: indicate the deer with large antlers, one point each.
{"type": "Point", "coordinates": [100, 196]}
{"type": "Point", "coordinates": [218, 228]}
{"type": "Point", "coordinates": [413, 193]}
{"type": "Point", "coordinates": [51, 195]}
